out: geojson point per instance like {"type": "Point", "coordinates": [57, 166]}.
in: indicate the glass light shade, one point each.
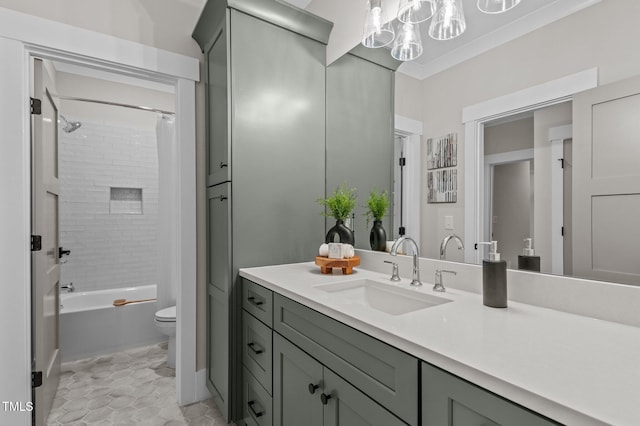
{"type": "Point", "coordinates": [408, 44]}
{"type": "Point", "coordinates": [416, 11]}
{"type": "Point", "coordinates": [376, 32]}
{"type": "Point", "coordinates": [496, 6]}
{"type": "Point", "coordinates": [448, 22]}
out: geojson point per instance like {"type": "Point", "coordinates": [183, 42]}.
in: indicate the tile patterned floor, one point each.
{"type": "Point", "coordinates": [134, 387]}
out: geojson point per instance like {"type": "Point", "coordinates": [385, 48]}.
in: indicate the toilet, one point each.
{"type": "Point", "coordinates": [166, 321]}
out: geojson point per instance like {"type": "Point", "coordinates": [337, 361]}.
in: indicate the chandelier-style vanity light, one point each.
{"type": "Point", "coordinates": [496, 6]}
{"type": "Point", "coordinates": [416, 11]}
{"type": "Point", "coordinates": [377, 33]}
{"type": "Point", "coordinates": [408, 44]}
{"type": "Point", "coordinates": [448, 22]}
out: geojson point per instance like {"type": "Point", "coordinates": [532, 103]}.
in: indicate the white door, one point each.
{"type": "Point", "coordinates": [606, 182]}
{"type": "Point", "coordinates": [45, 262]}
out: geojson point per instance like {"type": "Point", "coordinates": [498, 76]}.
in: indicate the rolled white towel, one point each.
{"type": "Point", "coordinates": [348, 251]}
{"type": "Point", "coordinates": [323, 250]}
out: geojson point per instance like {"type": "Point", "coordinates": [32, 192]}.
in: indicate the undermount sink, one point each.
{"type": "Point", "coordinates": [391, 299]}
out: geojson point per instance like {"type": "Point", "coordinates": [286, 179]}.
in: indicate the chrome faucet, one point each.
{"type": "Point", "coordinates": [68, 287]}
{"type": "Point", "coordinates": [416, 253]}
{"type": "Point", "coordinates": [394, 275]}
{"type": "Point", "coordinates": [445, 241]}
{"type": "Point", "coordinates": [438, 286]}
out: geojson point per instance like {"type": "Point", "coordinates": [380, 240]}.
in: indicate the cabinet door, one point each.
{"type": "Point", "coordinates": [449, 400]}
{"type": "Point", "coordinates": [218, 295]}
{"type": "Point", "coordinates": [297, 386]}
{"type": "Point", "coordinates": [218, 160]}
{"type": "Point", "coordinates": [347, 406]}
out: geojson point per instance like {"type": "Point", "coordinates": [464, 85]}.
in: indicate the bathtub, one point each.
{"type": "Point", "coordinates": [90, 325]}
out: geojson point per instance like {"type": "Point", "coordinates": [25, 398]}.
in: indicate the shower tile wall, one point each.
{"type": "Point", "coordinates": [108, 250]}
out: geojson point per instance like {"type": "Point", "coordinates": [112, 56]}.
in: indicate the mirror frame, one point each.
{"type": "Point", "coordinates": [473, 118]}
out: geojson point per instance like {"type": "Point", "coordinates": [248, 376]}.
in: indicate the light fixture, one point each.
{"type": "Point", "coordinates": [496, 6]}
{"type": "Point", "coordinates": [448, 22]}
{"type": "Point", "coordinates": [408, 44]}
{"type": "Point", "coordinates": [376, 32]}
{"type": "Point", "coordinates": [416, 11]}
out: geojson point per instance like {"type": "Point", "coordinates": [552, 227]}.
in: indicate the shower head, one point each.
{"type": "Point", "coordinates": [70, 126]}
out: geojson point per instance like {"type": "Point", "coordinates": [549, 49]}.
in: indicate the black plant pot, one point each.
{"type": "Point", "coordinates": [378, 236]}
{"type": "Point", "coordinates": [345, 235]}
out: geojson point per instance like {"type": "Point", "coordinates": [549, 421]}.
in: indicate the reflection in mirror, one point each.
{"type": "Point", "coordinates": [528, 189]}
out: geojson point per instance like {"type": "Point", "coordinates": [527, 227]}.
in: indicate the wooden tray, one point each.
{"type": "Point", "coordinates": [326, 265]}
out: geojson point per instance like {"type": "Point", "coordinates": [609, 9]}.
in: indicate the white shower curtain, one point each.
{"type": "Point", "coordinates": [167, 211]}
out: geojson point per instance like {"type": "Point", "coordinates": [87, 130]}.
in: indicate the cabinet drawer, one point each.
{"type": "Point", "coordinates": [257, 349]}
{"type": "Point", "coordinates": [258, 301]}
{"type": "Point", "coordinates": [256, 402]}
{"type": "Point", "coordinates": [449, 400]}
{"type": "Point", "coordinates": [386, 374]}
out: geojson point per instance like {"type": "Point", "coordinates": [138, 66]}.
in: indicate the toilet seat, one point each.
{"type": "Point", "coordinates": [166, 314]}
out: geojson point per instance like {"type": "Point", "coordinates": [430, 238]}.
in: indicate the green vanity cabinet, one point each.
{"type": "Point", "coordinates": [386, 374]}
{"type": "Point", "coordinates": [297, 381]}
{"type": "Point", "coordinates": [449, 400]}
{"type": "Point", "coordinates": [218, 290]}
{"type": "Point", "coordinates": [265, 69]}
{"type": "Point", "coordinates": [308, 393]}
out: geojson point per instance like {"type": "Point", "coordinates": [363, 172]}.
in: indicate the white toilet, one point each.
{"type": "Point", "coordinates": [166, 321]}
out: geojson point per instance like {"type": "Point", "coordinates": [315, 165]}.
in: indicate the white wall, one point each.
{"type": "Point", "coordinates": [600, 36]}
{"type": "Point", "coordinates": [166, 24]}
{"type": "Point", "coordinates": [108, 249]}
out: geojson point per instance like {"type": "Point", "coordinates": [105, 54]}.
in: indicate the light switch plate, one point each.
{"type": "Point", "coordinates": [448, 222]}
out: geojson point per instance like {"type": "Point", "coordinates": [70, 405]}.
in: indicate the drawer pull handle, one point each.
{"type": "Point", "coordinates": [253, 410]}
{"type": "Point", "coordinates": [253, 346]}
{"type": "Point", "coordinates": [312, 388]}
{"type": "Point", "coordinates": [223, 164]}
{"type": "Point", "coordinates": [255, 301]}
{"type": "Point", "coordinates": [325, 398]}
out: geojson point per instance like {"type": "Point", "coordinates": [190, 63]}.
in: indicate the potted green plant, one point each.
{"type": "Point", "coordinates": [377, 206]}
{"type": "Point", "coordinates": [339, 206]}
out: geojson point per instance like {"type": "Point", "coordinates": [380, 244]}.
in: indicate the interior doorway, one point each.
{"type": "Point", "coordinates": [18, 43]}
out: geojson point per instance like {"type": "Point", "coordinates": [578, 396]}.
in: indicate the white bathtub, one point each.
{"type": "Point", "coordinates": [90, 325]}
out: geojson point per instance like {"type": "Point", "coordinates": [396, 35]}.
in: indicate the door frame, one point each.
{"type": "Point", "coordinates": [57, 41]}
{"type": "Point", "coordinates": [557, 136]}
{"type": "Point", "coordinates": [475, 116]}
{"type": "Point", "coordinates": [490, 161]}
{"type": "Point", "coordinates": [412, 131]}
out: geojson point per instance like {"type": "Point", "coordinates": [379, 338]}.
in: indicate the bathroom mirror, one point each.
{"type": "Point", "coordinates": [512, 210]}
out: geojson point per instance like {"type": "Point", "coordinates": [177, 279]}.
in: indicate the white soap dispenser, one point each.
{"type": "Point", "coordinates": [494, 278]}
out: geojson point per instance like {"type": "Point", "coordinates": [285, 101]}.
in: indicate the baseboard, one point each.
{"type": "Point", "coordinates": [202, 392]}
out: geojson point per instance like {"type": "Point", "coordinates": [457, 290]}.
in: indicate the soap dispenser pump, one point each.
{"type": "Point", "coordinates": [528, 260]}
{"type": "Point", "coordinates": [494, 278]}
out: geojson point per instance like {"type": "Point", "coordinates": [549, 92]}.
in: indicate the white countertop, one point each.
{"type": "Point", "coordinates": [573, 369]}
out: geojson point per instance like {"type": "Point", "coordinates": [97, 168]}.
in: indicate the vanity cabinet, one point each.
{"type": "Point", "coordinates": [449, 400]}
{"type": "Point", "coordinates": [308, 393]}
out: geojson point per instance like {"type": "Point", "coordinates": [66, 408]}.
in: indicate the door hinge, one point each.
{"type": "Point", "coordinates": [402, 161]}
{"type": "Point", "coordinates": [36, 106]}
{"type": "Point", "coordinates": [561, 160]}
{"type": "Point", "coordinates": [36, 379]}
{"type": "Point", "coordinates": [562, 231]}
{"type": "Point", "coordinates": [36, 242]}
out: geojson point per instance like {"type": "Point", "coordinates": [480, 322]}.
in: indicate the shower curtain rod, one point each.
{"type": "Point", "coordinates": [96, 101]}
